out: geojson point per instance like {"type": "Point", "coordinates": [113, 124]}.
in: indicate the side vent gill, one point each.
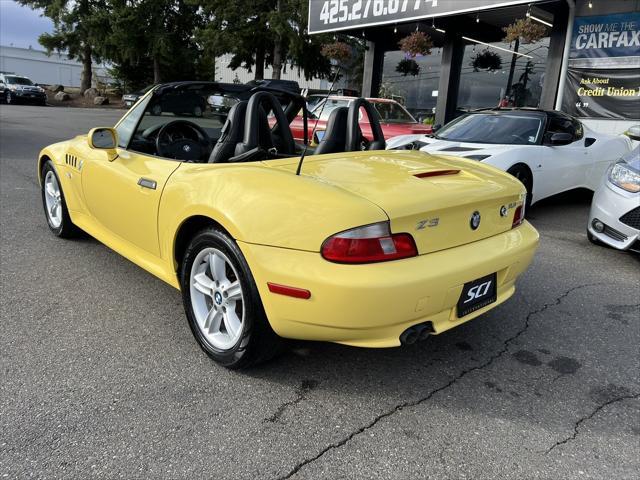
{"type": "Point", "coordinates": [71, 160]}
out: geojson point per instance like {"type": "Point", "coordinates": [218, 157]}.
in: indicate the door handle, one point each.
{"type": "Point", "coordinates": [147, 183]}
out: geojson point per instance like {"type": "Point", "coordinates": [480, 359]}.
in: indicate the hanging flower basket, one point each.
{"type": "Point", "coordinates": [338, 51]}
{"type": "Point", "coordinates": [486, 60]}
{"type": "Point", "coordinates": [418, 43]}
{"type": "Point", "coordinates": [408, 66]}
{"type": "Point", "coordinates": [526, 30]}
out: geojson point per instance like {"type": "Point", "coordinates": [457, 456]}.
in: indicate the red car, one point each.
{"type": "Point", "coordinates": [394, 118]}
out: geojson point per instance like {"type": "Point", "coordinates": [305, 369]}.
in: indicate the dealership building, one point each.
{"type": "Point", "coordinates": [578, 56]}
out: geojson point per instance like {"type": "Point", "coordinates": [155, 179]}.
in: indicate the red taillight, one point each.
{"type": "Point", "coordinates": [518, 216]}
{"type": "Point", "coordinates": [369, 244]}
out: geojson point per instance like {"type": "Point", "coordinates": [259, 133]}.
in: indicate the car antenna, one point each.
{"type": "Point", "coordinates": [324, 102]}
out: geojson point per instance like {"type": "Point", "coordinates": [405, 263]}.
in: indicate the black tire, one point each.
{"type": "Point", "coordinates": [522, 173]}
{"type": "Point", "coordinates": [257, 342]}
{"type": "Point", "coordinates": [66, 229]}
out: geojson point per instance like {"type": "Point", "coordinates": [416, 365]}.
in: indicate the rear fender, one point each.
{"type": "Point", "coordinates": [260, 205]}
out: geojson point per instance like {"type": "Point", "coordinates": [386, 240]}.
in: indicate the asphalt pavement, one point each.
{"type": "Point", "coordinates": [101, 378]}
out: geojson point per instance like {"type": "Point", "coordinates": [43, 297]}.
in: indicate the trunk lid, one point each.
{"type": "Point", "coordinates": [431, 197]}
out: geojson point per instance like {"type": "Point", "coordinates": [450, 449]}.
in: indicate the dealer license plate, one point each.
{"type": "Point", "coordinates": [477, 294]}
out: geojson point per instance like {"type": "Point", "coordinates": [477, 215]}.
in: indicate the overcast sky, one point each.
{"type": "Point", "coordinates": [21, 26]}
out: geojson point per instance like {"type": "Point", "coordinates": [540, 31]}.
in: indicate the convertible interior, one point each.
{"type": "Point", "coordinates": [244, 126]}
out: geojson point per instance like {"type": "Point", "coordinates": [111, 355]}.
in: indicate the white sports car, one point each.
{"type": "Point", "coordinates": [548, 151]}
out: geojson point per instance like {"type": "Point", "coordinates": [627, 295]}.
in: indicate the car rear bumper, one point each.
{"type": "Point", "coordinates": [609, 204]}
{"type": "Point", "coordinates": [372, 305]}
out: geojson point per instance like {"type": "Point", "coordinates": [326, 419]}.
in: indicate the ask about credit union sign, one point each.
{"type": "Point", "coordinates": [334, 15]}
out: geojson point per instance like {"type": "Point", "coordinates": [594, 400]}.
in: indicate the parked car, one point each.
{"type": "Point", "coordinates": [18, 89]}
{"type": "Point", "coordinates": [393, 117]}
{"type": "Point", "coordinates": [129, 99]}
{"type": "Point", "coordinates": [614, 219]}
{"type": "Point", "coordinates": [373, 250]}
{"type": "Point", "coordinates": [548, 151]}
{"type": "Point", "coordinates": [287, 85]}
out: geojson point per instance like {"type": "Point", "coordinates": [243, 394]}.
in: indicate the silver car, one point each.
{"type": "Point", "coordinates": [615, 210]}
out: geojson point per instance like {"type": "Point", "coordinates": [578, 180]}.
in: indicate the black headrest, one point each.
{"type": "Point", "coordinates": [231, 133]}
{"type": "Point", "coordinates": [335, 136]}
{"type": "Point", "coordinates": [255, 123]}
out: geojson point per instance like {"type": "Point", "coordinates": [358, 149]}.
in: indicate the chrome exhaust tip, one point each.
{"type": "Point", "coordinates": [416, 333]}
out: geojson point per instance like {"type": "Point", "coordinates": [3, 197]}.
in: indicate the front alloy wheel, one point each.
{"type": "Point", "coordinates": [53, 199]}
{"type": "Point", "coordinates": [55, 206]}
{"type": "Point", "coordinates": [9, 98]}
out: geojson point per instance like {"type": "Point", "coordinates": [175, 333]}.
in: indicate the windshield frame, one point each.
{"type": "Point", "coordinates": [539, 115]}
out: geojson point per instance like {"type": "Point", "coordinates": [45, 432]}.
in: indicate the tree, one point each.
{"type": "Point", "coordinates": [156, 35]}
{"type": "Point", "coordinates": [262, 32]}
{"type": "Point", "coordinates": [79, 30]}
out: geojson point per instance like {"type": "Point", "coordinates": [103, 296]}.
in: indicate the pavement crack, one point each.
{"type": "Point", "coordinates": [581, 420]}
{"type": "Point", "coordinates": [305, 387]}
{"type": "Point", "coordinates": [506, 344]}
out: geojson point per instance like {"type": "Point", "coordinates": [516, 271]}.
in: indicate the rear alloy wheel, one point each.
{"type": "Point", "coordinates": [216, 298]}
{"type": "Point", "coordinates": [523, 174]}
{"type": "Point", "coordinates": [55, 207]}
{"type": "Point", "coordinates": [222, 303]}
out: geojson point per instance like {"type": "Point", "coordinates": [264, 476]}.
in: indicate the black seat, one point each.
{"type": "Point", "coordinates": [335, 135]}
{"type": "Point", "coordinates": [247, 135]}
{"type": "Point", "coordinates": [258, 133]}
{"type": "Point", "coordinates": [231, 134]}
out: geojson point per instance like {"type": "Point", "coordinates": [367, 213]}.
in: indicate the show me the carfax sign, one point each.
{"type": "Point", "coordinates": [602, 78]}
{"type": "Point", "coordinates": [334, 15]}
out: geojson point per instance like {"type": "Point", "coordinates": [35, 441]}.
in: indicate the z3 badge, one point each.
{"type": "Point", "coordinates": [433, 222]}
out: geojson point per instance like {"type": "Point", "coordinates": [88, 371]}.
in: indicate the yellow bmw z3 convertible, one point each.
{"type": "Point", "coordinates": [338, 240]}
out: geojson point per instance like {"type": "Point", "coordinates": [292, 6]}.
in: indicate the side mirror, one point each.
{"type": "Point", "coordinates": [104, 138]}
{"type": "Point", "coordinates": [633, 133]}
{"type": "Point", "coordinates": [560, 139]}
{"type": "Point", "coordinates": [436, 127]}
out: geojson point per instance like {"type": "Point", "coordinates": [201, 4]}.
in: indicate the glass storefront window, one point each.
{"type": "Point", "coordinates": [484, 86]}
{"type": "Point", "coordinates": [480, 87]}
{"type": "Point", "coordinates": [418, 93]}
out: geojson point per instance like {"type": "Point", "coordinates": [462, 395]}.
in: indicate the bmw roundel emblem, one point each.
{"type": "Point", "coordinates": [218, 298]}
{"type": "Point", "coordinates": [503, 211]}
{"type": "Point", "coordinates": [474, 222]}
{"type": "Point", "coordinates": [186, 148]}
